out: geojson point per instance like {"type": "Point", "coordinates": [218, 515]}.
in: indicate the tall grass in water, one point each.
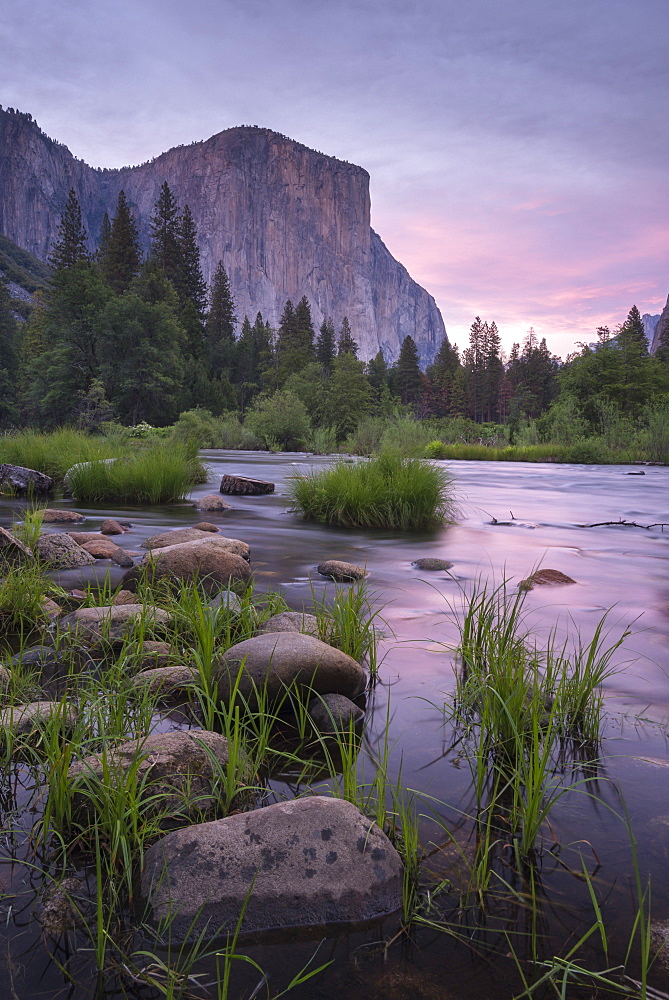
{"type": "Point", "coordinates": [56, 452]}
{"type": "Point", "coordinates": [386, 492]}
{"type": "Point", "coordinates": [164, 472]}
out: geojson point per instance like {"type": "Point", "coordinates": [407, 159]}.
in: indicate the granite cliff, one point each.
{"type": "Point", "coordinates": [285, 220]}
{"type": "Point", "coordinates": [661, 328]}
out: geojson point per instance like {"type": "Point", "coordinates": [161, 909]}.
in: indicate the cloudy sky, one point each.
{"type": "Point", "coordinates": [518, 149]}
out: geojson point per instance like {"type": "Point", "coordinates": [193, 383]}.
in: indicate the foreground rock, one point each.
{"type": "Point", "coordinates": [25, 480]}
{"type": "Point", "coordinates": [168, 682]}
{"type": "Point", "coordinates": [334, 713]}
{"type": "Point", "coordinates": [100, 548]}
{"type": "Point", "coordinates": [341, 572]}
{"type": "Point", "coordinates": [12, 551]}
{"type": "Point", "coordinates": [60, 551]}
{"type": "Point", "coordinates": [113, 621]}
{"type": "Point", "coordinates": [211, 502]}
{"type": "Point", "coordinates": [545, 578]}
{"type": "Point", "coordinates": [24, 720]}
{"type": "Point", "coordinates": [291, 621]}
{"type": "Point", "coordinates": [277, 660]}
{"type": "Point", "coordinates": [176, 771]}
{"type": "Point", "coordinates": [216, 561]}
{"type": "Point", "coordinates": [111, 527]}
{"type": "Point", "coordinates": [206, 526]}
{"type": "Point", "coordinates": [62, 516]}
{"type": "Point", "coordinates": [317, 862]}
{"type": "Point", "coordinates": [176, 537]}
{"type": "Point", "coordinates": [431, 564]}
{"type": "Point", "coordinates": [243, 486]}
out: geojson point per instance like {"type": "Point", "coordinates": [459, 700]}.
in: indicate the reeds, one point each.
{"type": "Point", "coordinates": [386, 492]}
{"type": "Point", "coordinates": [161, 473]}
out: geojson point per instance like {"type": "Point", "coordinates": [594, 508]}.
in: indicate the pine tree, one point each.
{"type": "Point", "coordinates": [190, 284]}
{"type": "Point", "coordinates": [473, 359]}
{"type": "Point", "coordinates": [71, 245]}
{"type": "Point", "coordinates": [295, 344]}
{"type": "Point", "coordinates": [493, 370]}
{"type": "Point", "coordinates": [165, 251]}
{"type": "Point", "coordinates": [221, 321]}
{"type": "Point", "coordinates": [120, 255]}
{"type": "Point", "coordinates": [325, 347]}
{"type": "Point", "coordinates": [8, 359]}
{"type": "Point", "coordinates": [408, 375]}
{"type": "Point", "coordinates": [103, 241]}
{"type": "Point", "coordinates": [440, 376]}
{"type": "Point", "coordinates": [346, 344]}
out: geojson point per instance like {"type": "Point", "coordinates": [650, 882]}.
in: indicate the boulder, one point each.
{"type": "Point", "coordinates": [113, 621]}
{"type": "Point", "coordinates": [243, 486]}
{"type": "Point", "coordinates": [122, 557]}
{"type": "Point", "coordinates": [341, 572]}
{"type": "Point", "coordinates": [545, 578]}
{"type": "Point", "coordinates": [311, 862]}
{"type": "Point", "coordinates": [211, 502]}
{"type": "Point", "coordinates": [227, 599]}
{"type": "Point", "coordinates": [66, 907]}
{"type": "Point", "coordinates": [59, 551]}
{"type": "Point", "coordinates": [111, 527]}
{"type": "Point", "coordinates": [124, 597]}
{"type": "Point", "coordinates": [12, 550]}
{"type": "Point", "coordinates": [83, 537]}
{"type": "Point", "coordinates": [22, 720]}
{"type": "Point", "coordinates": [25, 480]}
{"type": "Point", "coordinates": [206, 526]}
{"type": "Point", "coordinates": [334, 713]}
{"type": "Point", "coordinates": [291, 621]}
{"type": "Point", "coordinates": [217, 561]}
{"type": "Point", "coordinates": [62, 516]}
{"type": "Point", "coordinates": [5, 680]}
{"type": "Point", "coordinates": [168, 682]}
{"type": "Point", "coordinates": [100, 548]}
{"type": "Point", "coordinates": [152, 654]}
{"type": "Point", "coordinates": [178, 537]}
{"type": "Point", "coordinates": [178, 772]}
{"type": "Point", "coordinates": [50, 608]}
{"type": "Point", "coordinates": [278, 659]}
{"type": "Point", "coordinates": [431, 564]}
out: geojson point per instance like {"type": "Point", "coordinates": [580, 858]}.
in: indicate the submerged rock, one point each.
{"type": "Point", "coordinates": [57, 516]}
{"type": "Point", "coordinates": [431, 564]}
{"type": "Point", "coordinates": [278, 659]}
{"type": "Point", "coordinates": [24, 480]}
{"type": "Point", "coordinates": [211, 502]}
{"type": "Point", "coordinates": [243, 486]}
{"type": "Point", "coordinates": [545, 578]}
{"type": "Point", "coordinates": [175, 537]}
{"type": "Point", "coordinates": [60, 551]}
{"type": "Point", "coordinates": [334, 713]}
{"type": "Point", "coordinates": [341, 572]}
{"type": "Point", "coordinates": [316, 862]}
{"type": "Point", "coordinates": [111, 527]}
{"type": "Point", "coordinates": [291, 621]}
{"type": "Point", "coordinates": [66, 906]}
{"type": "Point", "coordinates": [168, 682]}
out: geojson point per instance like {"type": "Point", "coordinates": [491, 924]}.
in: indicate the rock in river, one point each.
{"type": "Point", "coordinates": [215, 560]}
{"type": "Point", "coordinates": [243, 486]}
{"type": "Point", "coordinates": [175, 537]}
{"type": "Point", "coordinates": [292, 621]}
{"type": "Point", "coordinates": [278, 659]}
{"type": "Point", "coordinates": [113, 621]}
{"type": "Point", "coordinates": [545, 578]}
{"type": "Point", "coordinates": [12, 551]}
{"type": "Point", "coordinates": [60, 551]}
{"type": "Point", "coordinates": [25, 480]}
{"type": "Point", "coordinates": [316, 861]}
{"type": "Point", "coordinates": [431, 564]}
{"type": "Point", "coordinates": [212, 502]}
{"type": "Point", "coordinates": [62, 516]}
{"type": "Point", "coordinates": [341, 572]}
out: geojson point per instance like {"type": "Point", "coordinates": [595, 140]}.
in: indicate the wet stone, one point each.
{"type": "Point", "coordinates": [212, 502]}
{"type": "Point", "coordinates": [23, 720]}
{"type": "Point", "coordinates": [430, 564]}
{"type": "Point", "coordinates": [291, 621]}
{"type": "Point", "coordinates": [545, 578]}
{"type": "Point", "coordinates": [334, 713]}
{"type": "Point", "coordinates": [341, 572]}
{"type": "Point", "coordinates": [62, 516]}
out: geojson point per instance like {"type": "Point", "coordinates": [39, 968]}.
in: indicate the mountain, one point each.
{"type": "Point", "coordinates": [649, 327]}
{"type": "Point", "coordinates": [661, 327]}
{"type": "Point", "coordinates": [285, 220]}
{"type": "Point", "coordinates": [23, 275]}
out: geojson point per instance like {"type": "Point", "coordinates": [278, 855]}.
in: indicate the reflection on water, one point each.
{"type": "Point", "coordinates": [546, 508]}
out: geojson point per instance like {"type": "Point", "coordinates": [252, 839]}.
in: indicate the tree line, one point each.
{"type": "Point", "coordinates": [119, 335]}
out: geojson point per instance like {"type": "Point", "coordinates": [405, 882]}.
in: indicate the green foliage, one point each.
{"type": "Point", "coordinates": [295, 342]}
{"type": "Point", "coordinates": [162, 473]}
{"type": "Point", "coordinates": [55, 452]}
{"type": "Point", "coordinates": [407, 376]}
{"type": "Point", "coordinates": [385, 492]}
{"type": "Point", "coordinates": [280, 419]}
{"type": "Point", "coordinates": [345, 343]}
{"type": "Point", "coordinates": [119, 254]}
{"type": "Point", "coordinates": [347, 396]}
{"type": "Point", "coordinates": [325, 347]}
{"type": "Point", "coordinates": [71, 244]}
{"type": "Point", "coordinates": [220, 325]}
{"type": "Point", "coordinates": [208, 431]}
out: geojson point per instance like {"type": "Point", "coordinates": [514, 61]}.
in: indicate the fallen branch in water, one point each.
{"type": "Point", "coordinates": [628, 524]}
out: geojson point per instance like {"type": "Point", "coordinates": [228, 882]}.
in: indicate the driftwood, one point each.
{"type": "Point", "coordinates": [627, 524]}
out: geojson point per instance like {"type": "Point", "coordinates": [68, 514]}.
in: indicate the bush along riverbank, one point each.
{"type": "Point", "coordinates": [145, 732]}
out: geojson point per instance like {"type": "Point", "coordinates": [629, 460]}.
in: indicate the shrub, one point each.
{"type": "Point", "coordinates": [386, 492]}
{"type": "Point", "coordinates": [280, 419]}
{"type": "Point", "coordinates": [436, 449]}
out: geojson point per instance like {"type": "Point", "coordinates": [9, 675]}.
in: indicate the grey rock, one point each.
{"type": "Point", "coordinates": [228, 600]}
{"type": "Point", "coordinates": [291, 621]}
{"type": "Point", "coordinates": [5, 680]}
{"type": "Point", "coordinates": [211, 502]}
{"type": "Point", "coordinates": [62, 516]}
{"type": "Point", "coordinates": [65, 908]}
{"type": "Point", "coordinates": [176, 537]}
{"type": "Point", "coordinates": [279, 659]}
{"type": "Point", "coordinates": [546, 578]}
{"type": "Point", "coordinates": [431, 564]}
{"type": "Point", "coordinates": [334, 713]}
{"type": "Point", "coordinates": [177, 772]}
{"type": "Point", "coordinates": [12, 550]}
{"type": "Point", "coordinates": [214, 560]}
{"type": "Point", "coordinates": [24, 480]}
{"type": "Point", "coordinates": [341, 572]}
{"type": "Point", "coordinates": [168, 682]}
{"type": "Point", "coordinates": [243, 486]}
{"type": "Point", "coordinates": [122, 558]}
{"type": "Point", "coordinates": [317, 862]}
{"type": "Point", "coordinates": [59, 551]}
{"type": "Point", "coordinates": [280, 216]}
{"type": "Point", "coordinates": [206, 526]}
{"type": "Point", "coordinates": [113, 621]}
{"type": "Point", "coordinates": [23, 720]}
{"type": "Point", "coordinates": [661, 328]}
{"type": "Point", "coordinates": [111, 527]}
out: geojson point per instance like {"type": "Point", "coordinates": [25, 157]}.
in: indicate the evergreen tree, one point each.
{"type": "Point", "coordinates": [71, 245]}
{"type": "Point", "coordinates": [220, 325]}
{"type": "Point", "coordinates": [440, 376]}
{"type": "Point", "coordinates": [493, 370]}
{"type": "Point", "coordinates": [120, 254]}
{"type": "Point", "coordinates": [408, 375]}
{"type": "Point", "coordinates": [190, 284]}
{"type": "Point", "coordinates": [473, 359]}
{"type": "Point", "coordinates": [346, 344]}
{"type": "Point", "coordinates": [165, 251]}
{"type": "Point", "coordinates": [295, 344]}
{"type": "Point", "coordinates": [348, 395]}
{"type": "Point", "coordinates": [8, 360]}
{"type": "Point", "coordinates": [325, 347]}
{"type": "Point", "coordinates": [103, 242]}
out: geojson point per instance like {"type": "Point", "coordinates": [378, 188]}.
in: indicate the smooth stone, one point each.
{"type": "Point", "coordinates": [334, 713]}
{"type": "Point", "coordinates": [176, 537]}
{"type": "Point", "coordinates": [545, 578]}
{"type": "Point", "coordinates": [214, 560]}
{"type": "Point", "coordinates": [317, 862]}
{"type": "Point", "coordinates": [176, 771]}
{"type": "Point", "coordinates": [100, 548]}
{"type": "Point", "coordinates": [212, 502]}
{"type": "Point", "coordinates": [243, 486]}
{"type": "Point", "coordinates": [341, 572]}
{"type": "Point", "coordinates": [51, 609]}
{"type": "Point", "coordinates": [12, 550]}
{"type": "Point", "coordinates": [111, 527]}
{"type": "Point", "coordinates": [124, 597]}
{"type": "Point", "coordinates": [169, 682]}
{"type": "Point", "coordinates": [206, 526]}
{"type": "Point", "coordinates": [40, 656]}
{"type": "Point", "coordinates": [22, 720]}
{"type": "Point", "coordinates": [431, 564]}
{"type": "Point", "coordinates": [152, 654]}
{"type": "Point", "coordinates": [291, 621]}
{"type": "Point", "coordinates": [113, 621]}
{"type": "Point", "coordinates": [82, 537]}
{"type": "Point", "coordinates": [278, 659]}
{"type": "Point", "coordinates": [5, 680]}
{"type": "Point", "coordinates": [59, 551]}
{"type": "Point", "coordinates": [56, 516]}
{"type": "Point", "coordinates": [24, 480]}
{"type": "Point", "coordinates": [122, 558]}
{"type": "Point", "coordinates": [228, 600]}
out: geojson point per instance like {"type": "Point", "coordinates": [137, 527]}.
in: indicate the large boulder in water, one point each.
{"type": "Point", "coordinates": [175, 537]}
{"type": "Point", "coordinates": [341, 572]}
{"type": "Point", "coordinates": [311, 862]}
{"type": "Point", "coordinates": [24, 480]}
{"type": "Point", "coordinates": [218, 562]}
{"type": "Point", "coordinates": [277, 660]}
{"type": "Point", "coordinates": [60, 551]}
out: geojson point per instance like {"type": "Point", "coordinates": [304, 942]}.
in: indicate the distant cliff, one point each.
{"type": "Point", "coordinates": [285, 220]}
{"type": "Point", "coordinates": [661, 328]}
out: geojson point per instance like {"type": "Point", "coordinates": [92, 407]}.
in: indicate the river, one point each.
{"type": "Point", "coordinates": [512, 518]}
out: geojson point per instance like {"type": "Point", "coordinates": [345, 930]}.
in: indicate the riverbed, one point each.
{"type": "Point", "coordinates": [512, 518]}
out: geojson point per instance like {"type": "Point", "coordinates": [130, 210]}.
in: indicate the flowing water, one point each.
{"type": "Point", "coordinates": [512, 518]}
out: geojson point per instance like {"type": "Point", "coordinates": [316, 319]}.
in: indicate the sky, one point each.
{"type": "Point", "coordinates": [518, 149]}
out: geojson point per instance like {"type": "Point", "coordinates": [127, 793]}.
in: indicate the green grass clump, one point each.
{"type": "Point", "coordinates": [161, 473]}
{"type": "Point", "coordinates": [387, 492]}
{"type": "Point", "coordinates": [56, 452]}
